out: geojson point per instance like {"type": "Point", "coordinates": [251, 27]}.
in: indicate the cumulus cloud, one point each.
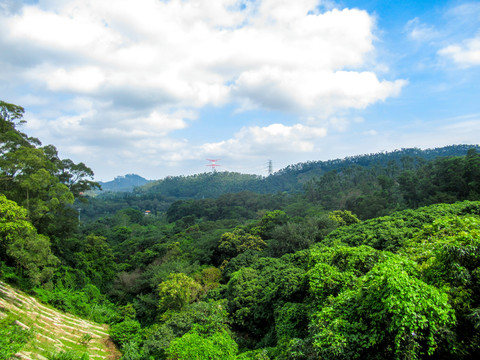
{"type": "Point", "coordinates": [275, 138]}
{"type": "Point", "coordinates": [112, 140]}
{"type": "Point", "coordinates": [320, 92]}
{"type": "Point", "coordinates": [147, 68]}
{"type": "Point", "coordinates": [464, 54]}
{"type": "Point", "coordinates": [79, 80]}
{"type": "Point", "coordinates": [198, 54]}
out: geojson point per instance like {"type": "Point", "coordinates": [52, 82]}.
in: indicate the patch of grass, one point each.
{"type": "Point", "coordinates": [54, 334]}
{"type": "Point", "coordinates": [13, 337]}
{"type": "Point", "coordinates": [68, 355]}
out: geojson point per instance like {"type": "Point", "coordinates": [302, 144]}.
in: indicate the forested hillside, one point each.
{"type": "Point", "coordinates": [374, 259]}
{"type": "Point", "coordinates": [293, 178]}
{"type": "Point", "coordinates": [123, 183]}
{"type": "Point", "coordinates": [369, 185]}
{"type": "Point", "coordinates": [48, 333]}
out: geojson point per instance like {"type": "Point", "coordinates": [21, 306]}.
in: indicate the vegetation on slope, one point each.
{"type": "Point", "coordinates": [246, 275]}
{"type": "Point", "coordinates": [293, 178]}
{"type": "Point", "coordinates": [370, 185]}
{"type": "Point", "coordinates": [40, 331]}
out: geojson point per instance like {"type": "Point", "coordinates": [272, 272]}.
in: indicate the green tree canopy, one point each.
{"type": "Point", "coordinates": [21, 246]}
{"type": "Point", "coordinates": [36, 178]}
{"type": "Point", "coordinates": [237, 242]}
{"type": "Point", "coordinates": [390, 313]}
{"type": "Point", "coordinates": [178, 291]}
{"type": "Point", "coordinates": [195, 346]}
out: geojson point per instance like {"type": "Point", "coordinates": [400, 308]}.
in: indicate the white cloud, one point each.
{"type": "Point", "coordinates": [144, 69]}
{"type": "Point", "coordinates": [320, 92]}
{"type": "Point", "coordinates": [453, 33]}
{"type": "Point", "coordinates": [85, 79]}
{"type": "Point", "coordinates": [67, 29]}
{"type": "Point", "coordinates": [159, 123]}
{"type": "Point", "coordinates": [464, 54]}
{"type": "Point", "coordinates": [275, 138]}
{"type": "Point", "coordinates": [419, 31]}
{"type": "Point", "coordinates": [193, 52]}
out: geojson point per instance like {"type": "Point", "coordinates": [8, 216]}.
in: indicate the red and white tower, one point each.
{"type": "Point", "coordinates": [213, 164]}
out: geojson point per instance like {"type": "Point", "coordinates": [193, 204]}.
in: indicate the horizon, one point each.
{"type": "Point", "coordinates": [157, 90]}
{"type": "Point", "coordinates": [293, 164]}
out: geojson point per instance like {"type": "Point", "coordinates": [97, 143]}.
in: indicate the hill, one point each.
{"type": "Point", "coordinates": [124, 183]}
{"type": "Point", "coordinates": [291, 179]}
{"type": "Point", "coordinates": [369, 257]}
{"type": "Point", "coordinates": [369, 185]}
{"type": "Point", "coordinates": [51, 330]}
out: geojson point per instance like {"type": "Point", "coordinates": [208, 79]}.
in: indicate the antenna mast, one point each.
{"type": "Point", "coordinates": [270, 167]}
{"type": "Point", "coordinates": [213, 164]}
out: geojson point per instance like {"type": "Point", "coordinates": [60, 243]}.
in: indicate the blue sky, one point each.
{"type": "Point", "coordinates": [157, 87]}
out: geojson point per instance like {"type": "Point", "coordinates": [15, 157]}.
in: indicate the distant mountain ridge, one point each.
{"type": "Point", "coordinates": [381, 158]}
{"type": "Point", "coordinates": [307, 178]}
{"type": "Point", "coordinates": [290, 179]}
{"type": "Point", "coordinates": [124, 183]}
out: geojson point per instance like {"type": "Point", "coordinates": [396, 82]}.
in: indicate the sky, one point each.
{"type": "Point", "coordinates": [157, 87]}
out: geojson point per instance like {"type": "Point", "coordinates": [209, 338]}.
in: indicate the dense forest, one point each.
{"type": "Point", "coordinates": [369, 185]}
{"type": "Point", "coordinates": [370, 257]}
{"type": "Point", "coordinates": [292, 179]}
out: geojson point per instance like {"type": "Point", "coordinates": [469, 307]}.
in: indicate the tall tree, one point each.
{"type": "Point", "coordinates": [21, 246]}
{"type": "Point", "coordinates": [36, 178]}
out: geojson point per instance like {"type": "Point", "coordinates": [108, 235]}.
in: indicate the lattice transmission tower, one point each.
{"type": "Point", "coordinates": [213, 164]}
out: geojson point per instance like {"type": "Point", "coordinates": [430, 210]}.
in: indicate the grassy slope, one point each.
{"type": "Point", "coordinates": [53, 330]}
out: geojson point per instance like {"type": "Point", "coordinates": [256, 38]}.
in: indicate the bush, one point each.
{"type": "Point", "coordinates": [126, 331]}
{"type": "Point", "coordinates": [12, 337]}
{"type": "Point", "coordinates": [68, 355]}
{"type": "Point", "coordinates": [194, 346]}
{"type": "Point", "coordinates": [390, 313]}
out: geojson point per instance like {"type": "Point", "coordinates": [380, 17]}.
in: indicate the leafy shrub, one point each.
{"type": "Point", "coordinates": [389, 314]}
{"type": "Point", "coordinates": [125, 331]}
{"type": "Point", "coordinates": [448, 254]}
{"type": "Point", "coordinates": [208, 317]}
{"type": "Point", "coordinates": [195, 346]}
{"type": "Point", "coordinates": [68, 355]}
{"type": "Point", "coordinates": [178, 291]}
{"type": "Point", "coordinates": [132, 351]}
{"type": "Point", "coordinates": [391, 232]}
{"type": "Point", "coordinates": [86, 302]}
{"type": "Point", "coordinates": [12, 337]}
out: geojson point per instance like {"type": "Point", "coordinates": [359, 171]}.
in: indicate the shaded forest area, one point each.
{"type": "Point", "coordinates": [369, 257]}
